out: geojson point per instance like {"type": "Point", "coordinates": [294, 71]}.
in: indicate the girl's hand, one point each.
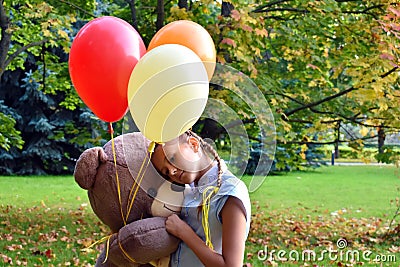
{"type": "Point", "coordinates": [176, 226]}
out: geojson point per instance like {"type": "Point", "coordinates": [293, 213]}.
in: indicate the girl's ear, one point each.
{"type": "Point", "coordinates": [194, 143]}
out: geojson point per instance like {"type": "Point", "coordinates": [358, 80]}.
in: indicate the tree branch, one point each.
{"type": "Point", "coordinates": [325, 143]}
{"type": "Point", "coordinates": [283, 9]}
{"type": "Point", "coordinates": [316, 103]}
{"type": "Point", "coordinates": [23, 49]}
{"type": "Point", "coordinates": [345, 1]}
{"type": "Point", "coordinates": [259, 9]}
{"type": "Point", "coordinates": [365, 11]}
{"type": "Point", "coordinates": [77, 7]}
{"type": "Point", "coordinates": [5, 38]}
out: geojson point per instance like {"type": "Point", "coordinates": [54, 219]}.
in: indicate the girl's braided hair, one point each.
{"type": "Point", "coordinates": [209, 191]}
{"type": "Point", "coordinates": [206, 146]}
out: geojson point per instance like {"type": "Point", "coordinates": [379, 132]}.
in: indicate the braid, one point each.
{"type": "Point", "coordinates": [209, 191]}
{"type": "Point", "coordinates": [212, 151]}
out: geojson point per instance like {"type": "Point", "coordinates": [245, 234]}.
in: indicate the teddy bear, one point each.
{"type": "Point", "coordinates": [134, 214]}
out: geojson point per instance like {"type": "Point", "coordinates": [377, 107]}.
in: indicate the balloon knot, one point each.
{"type": "Point", "coordinates": [110, 128]}
{"type": "Point", "coordinates": [152, 145]}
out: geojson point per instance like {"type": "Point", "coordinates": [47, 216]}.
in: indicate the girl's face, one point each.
{"type": "Point", "coordinates": [182, 162]}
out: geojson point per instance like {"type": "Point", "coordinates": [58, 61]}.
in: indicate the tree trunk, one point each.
{"type": "Point", "coordinates": [183, 4]}
{"type": "Point", "coordinates": [210, 129]}
{"type": "Point", "coordinates": [133, 14]}
{"type": "Point", "coordinates": [160, 14]}
{"type": "Point", "coordinates": [337, 151]}
{"type": "Point", "coordinates": [5, 39]}
{"type": "Point", "coordinates": [226, 9]}
{"type": "Point", "coordinates": [381, 139]}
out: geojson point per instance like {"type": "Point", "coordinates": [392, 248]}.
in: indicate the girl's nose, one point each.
{"type": "Point", "coordinates": [172, 170]}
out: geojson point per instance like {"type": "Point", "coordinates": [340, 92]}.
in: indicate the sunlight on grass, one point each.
{"type": "Point", "coordinates": [52, 191]}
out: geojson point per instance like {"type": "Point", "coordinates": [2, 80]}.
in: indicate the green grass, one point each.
{"type": "Point", "coordinates": [47, 221]}
{"type": "Point", "coordinates": [58, 191]}
{"type": "Point", "coordinates": [363, 191]}
{"type": "Point", "coordinates": [302, 211]}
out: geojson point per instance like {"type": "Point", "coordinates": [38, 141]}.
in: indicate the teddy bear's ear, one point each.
{"type": "Point", "coordinates": [86, 166]}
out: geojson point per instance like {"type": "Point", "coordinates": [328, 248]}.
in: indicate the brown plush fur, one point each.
{"type": "Point", "coordinates": [144, 236]}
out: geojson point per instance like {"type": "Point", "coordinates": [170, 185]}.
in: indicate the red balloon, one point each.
{"type": "Point", "coordinates": [102, 57]}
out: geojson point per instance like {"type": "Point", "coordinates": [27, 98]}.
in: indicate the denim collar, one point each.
{"type": "Point", "coordinates": [209, 178]}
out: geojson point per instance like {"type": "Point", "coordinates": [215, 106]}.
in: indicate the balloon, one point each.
{"type": "Point", "coordinates": [191, 35]}
{"type": "Point", "coordinates": [103, 55]}
{"type": "Point", "coordinates": [167, 92]}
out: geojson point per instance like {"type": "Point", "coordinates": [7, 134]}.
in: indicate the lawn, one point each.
{"type": "Point", "coordinates": [314, 211]}
{"type": "Point", "coordinates": [47, 221]}
{"type": "Point", "coordinates": [358, 191]}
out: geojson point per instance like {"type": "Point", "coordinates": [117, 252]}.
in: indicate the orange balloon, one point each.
{"type": "Point", "coordinates": [191, 35]}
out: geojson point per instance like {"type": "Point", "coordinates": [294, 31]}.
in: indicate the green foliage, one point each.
{"type": "Point", "coordinates": [319, 64]}
{"type": "Point", "coordinates": [389, 155]}
{"type": "Point", "coordinates": [54, 137]}
{"type": "Point", "coordinates": [9, 136]}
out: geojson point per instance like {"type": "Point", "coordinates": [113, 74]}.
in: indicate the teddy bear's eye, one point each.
{"type": "Point", "coordinates": [177, 187]}
{"type": "Point", "coordinates": [152, 192]}
{"type": "Point", "coordinates": [172, 159]}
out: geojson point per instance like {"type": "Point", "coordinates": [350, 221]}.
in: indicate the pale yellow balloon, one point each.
{"type": "Point", "coordinates": [167, 92]}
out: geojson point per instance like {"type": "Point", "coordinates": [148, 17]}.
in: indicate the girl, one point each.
{"type": "Point", "coordinates": [216, 210]}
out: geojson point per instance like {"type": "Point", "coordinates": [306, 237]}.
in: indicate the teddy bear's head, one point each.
{"type": "Point", "coordinates": [96, 172]}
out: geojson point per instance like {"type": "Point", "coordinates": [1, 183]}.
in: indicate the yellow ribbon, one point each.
{"type": "Point", "coordinates": [116, 173]}
{"type": "Point", "coordinates": [140, 175]}
{"type": "Point", "coordinates": [101, 241]}
{"type": "Point", "coordinates": [134, 189]}
{"type": "Point", "coordinates": [205, 211]}
{"type": "Point", "coordinates": [126, 253]}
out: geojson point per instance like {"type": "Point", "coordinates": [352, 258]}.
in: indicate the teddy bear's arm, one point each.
{"type": "Point", "coordinates": [142, 241]}
{"type": "Point", "coordinates": [86, 166]}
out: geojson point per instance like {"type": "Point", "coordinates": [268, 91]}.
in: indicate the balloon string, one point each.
{"type": "Point", "coordinates": [140, 176]}
{"type": "Point", "coordinates": [126, 253]}
{"type": "Point", "coordinates": [111, 130]}
{"type": "Point", "coordinates": [107, 249]}
{"type": "Point", "coordinates": [206, 209]}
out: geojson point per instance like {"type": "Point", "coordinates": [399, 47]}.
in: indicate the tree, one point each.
{"type": "Point", "coordinates": [36, 92]}
{"type": "Point", "coordinates": [36, 28]}
{"type": "Point", "coordinates": [321, 63]}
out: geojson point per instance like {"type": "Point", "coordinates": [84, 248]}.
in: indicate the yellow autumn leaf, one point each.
{"type": "Point", "coordinates": [383, 106]}
{"type": "Point", "coordinates": [46, 33]}
{"type": "Point", "coordinates": [63, 34]}
{"type": "Point", "coordinates": [312, 83]}
{"type": "Point", "coordinates": [274, 102]}
{"type": "Point", "coordinates": [364, 131]}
